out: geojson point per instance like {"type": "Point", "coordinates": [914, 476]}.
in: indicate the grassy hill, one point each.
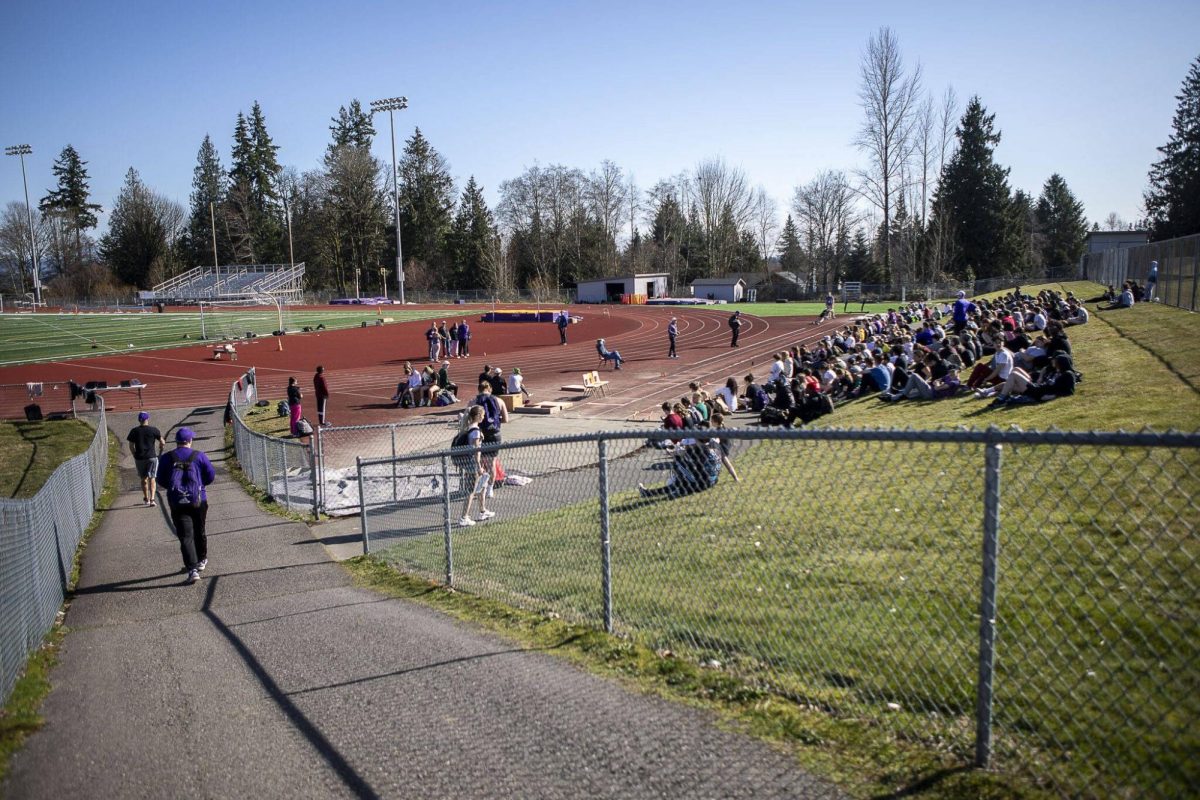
{"type": "Point", "coordinates": [845, 575]}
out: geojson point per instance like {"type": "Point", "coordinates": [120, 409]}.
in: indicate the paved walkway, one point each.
{"type": "Point", "coordinates": [274, 677]}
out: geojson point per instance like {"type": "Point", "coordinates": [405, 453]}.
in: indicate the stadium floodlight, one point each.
{"type": "Point", "coordinates": [390, 105]}
{"type": "Point", "coordinates": [23, 150]}
{"type": "Point", "coordinates": [383, 271]}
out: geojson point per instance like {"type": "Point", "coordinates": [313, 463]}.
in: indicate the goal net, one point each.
{"type": "Point", "coordinates": [234, 319]}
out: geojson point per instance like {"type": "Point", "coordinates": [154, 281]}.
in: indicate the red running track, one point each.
{"type": "Point", "coordinates": [363, 366]}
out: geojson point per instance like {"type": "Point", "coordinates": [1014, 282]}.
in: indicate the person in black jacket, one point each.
{"type": "Point", "coordinates": [735, 327]}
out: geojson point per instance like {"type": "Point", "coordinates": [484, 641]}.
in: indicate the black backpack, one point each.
{"type": "Point", "coordinates": [464, 461]}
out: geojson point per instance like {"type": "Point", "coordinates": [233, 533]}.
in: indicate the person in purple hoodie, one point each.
{"type": "Point", "coordinates": [184, 473]}
{"type": "Point", "coordinates": [464, 339]}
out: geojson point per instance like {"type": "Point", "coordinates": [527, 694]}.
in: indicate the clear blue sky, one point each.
{"type": "Point", "coordinates": [1083, 89]}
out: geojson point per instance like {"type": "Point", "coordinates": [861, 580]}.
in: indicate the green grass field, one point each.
{"type": "Point", "coordinates": [805, 309]}
{"type": "Point", "coordinates": [31, 451]}
{"type": "Point", "coordinates": [846, 576]}
{"type": "Point", "coordinates": [39, 337]}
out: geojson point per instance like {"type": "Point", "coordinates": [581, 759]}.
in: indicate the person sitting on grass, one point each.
{"type": "Point", "coordinates": [726, 397]}
{"type": "Point", "coordinates": [609, 355]}
{"type": "Point", "coordinates": [1057, 381]}
{"type": "Point", "coordinates": [724, 446]}
{"type": "Point", "coordinates": [695, 467]}
{"type": "Point", "coordinates": [1124, 300]}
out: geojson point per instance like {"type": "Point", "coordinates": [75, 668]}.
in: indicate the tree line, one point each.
{"type": "Point", "coordinates": [930, 203]}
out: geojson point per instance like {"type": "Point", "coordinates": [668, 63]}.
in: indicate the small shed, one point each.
{"type": "Point", "coordinates": [1099, 241]}
{"type": "Point", "coordinates": [730, 289]}
{"type": "Point", "coordinates": [610, 290]}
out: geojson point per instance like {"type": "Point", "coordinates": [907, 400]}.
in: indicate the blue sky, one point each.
{"type": "Point", "coordinates": [1083, 89]}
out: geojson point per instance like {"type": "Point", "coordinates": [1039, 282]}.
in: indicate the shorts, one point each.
{"type": "Point", "coordinates": [481, 483]}
{"type": "Point", "coordinates": [146, 467]}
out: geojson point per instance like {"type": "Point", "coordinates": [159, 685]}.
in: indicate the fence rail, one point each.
{"type": "Point", "coordinates": [1022, 600]}
{"type": "Point", "coordinates": [38, 538]}
{"type": "Point", "coordinates": [1178, 268]}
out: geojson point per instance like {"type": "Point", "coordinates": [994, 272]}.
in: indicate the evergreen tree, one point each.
{"type": "Point", "coordinates": [71, 196]}
{"type": "Point", "coordinates": [137, 239]}
{"type": "Point", "coordinates": [208, 187]}
{"type": "Point", "coordinates": [1173, 199]}
{"type": "Point", "coordinates": [1061, 225]}
{"type": "Point", "coordinates": [791, 250]}
{"type": "Point", "coordinates": [254, 214]}
{"type": "Point", "coordinates": [1020, 234]}
{"type": "Point", "coordinates": [426, 204]}
{"type": "Point", "coordinates": [473, 242]}
{"type": "Point", "coordinates": [973, 197]}
{"type": "Point", "coordinates": [859, 266]}
{"type": "Point", "coordinates": [352, 127]}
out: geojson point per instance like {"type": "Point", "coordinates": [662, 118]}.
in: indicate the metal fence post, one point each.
{"type": "Point", "coordinates": [394, 490]}
{"type": "Point", "coordinates": [605, 542]}
{"type": "Point", "coordinates": [362, 507]}
{"type": "Point", "coordinates": [987, 605]}
{"type": "Point", "coordinates": [446, 519]}
{"type": "Point", "coordinates": [314, 460]}
{"type": "Point", "coordinates": [266, 476]}
{"type": "Point", "coordinates": [287, 489]}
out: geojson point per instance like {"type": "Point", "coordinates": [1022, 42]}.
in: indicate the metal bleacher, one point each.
{"type": "Point", "coordinates": [233, 282]}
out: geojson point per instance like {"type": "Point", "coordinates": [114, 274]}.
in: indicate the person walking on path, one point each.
{"type": "Point", "coordinates": [562, 321]}
{"type": "Point", "coordinates": [672, 333]}
{"type": "Point", "coordinates": [321, 389]}
{"type": "Point", "coordinates": [472, 437]}
{"type": "Point", "coordinates": [294, 408]}
{"type": "Point", "coordinates": [185, 472]}
{"type": "Point", "coordinates": [464, 339]}
{"type": "Point", "coordinates": [735, 327]}
{"type": "Point", "coordinates": [146, 443]}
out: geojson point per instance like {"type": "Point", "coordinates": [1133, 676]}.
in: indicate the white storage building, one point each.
{"type": "Point", "coordinates": [609, 290]}
{"type": "Point", "coordinates": [730, 289]}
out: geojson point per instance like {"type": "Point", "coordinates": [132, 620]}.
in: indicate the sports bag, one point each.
{"type": "Point", "coordinates": [184, 487]}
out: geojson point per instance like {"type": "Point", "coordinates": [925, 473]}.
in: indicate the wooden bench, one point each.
{"type": "Point", "coordinates": [225, 349]}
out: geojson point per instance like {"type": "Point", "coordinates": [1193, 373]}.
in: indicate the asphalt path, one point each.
{"type": "Point", "coordinates": [274, 677]}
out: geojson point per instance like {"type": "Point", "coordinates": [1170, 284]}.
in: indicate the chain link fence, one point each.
{"type": "Point", "coordinates": [282, 468]}
{"type": "Point", "coordinates": [38, 538]}
{"type": "Point", "coordinates": [1022, 601]}
{"type": "Point", "coordinates": [1178, 268]}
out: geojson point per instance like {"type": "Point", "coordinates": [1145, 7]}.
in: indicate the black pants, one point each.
{"type": "Point", "coordinates": [464, 349]}
{"type": "Point", "coordinates": [189, 528]}
{"type": "Point", "coordinates": [736, 331]}
{"type": "Point", "coordinates": [671, 352]}
{"type": "Point", "coordinates": [321, 403]}
{"type": "Point", "coordinates": [562, 334]}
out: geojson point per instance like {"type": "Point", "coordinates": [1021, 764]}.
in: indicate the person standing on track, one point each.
{"type": "Point", "coordinates": [464, 339]}
{"type": "Point", "coordinates": [453, 341]}
{"type": "Point", "coordinates": [672, 333]}
{"type": "Point", "coordinates": [294, 409]}
{"type": "Point", "coordinates": [185, 472]}
{"type": "Point", "coordinates": [431, 336]}
{"type": "Point", "coordinates": [563, 320]}
{"type": "Point", "coordinates": [146, 443]}
{"type": "Point", "coordinates": [735, 327]}
{"type": "Point", "coordinates": [321, 389]}
{"type": "Point", "coordinates": [443, 342]}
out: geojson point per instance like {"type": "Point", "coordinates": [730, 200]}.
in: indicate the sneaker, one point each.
{"type": "Point", "coordinates": [466, 522]}
{"type": "Point", "coordinates": [203, 563]}
{"type": "Point", "coordinates": [486, 515]}
{"type": "Point", "coordinates": [642, 490]}
{"type": "Point", "coordinates": [153, 502]}
{"type": "Point", "coordinates": [193, 576]}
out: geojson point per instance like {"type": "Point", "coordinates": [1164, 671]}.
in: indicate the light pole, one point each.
{"type": "Point", "coordinates": [390, 105]}
{"type": "Point", "coordinates": [23, 150]}
{"type": "Point", "coordinates": [357, 272]}
{"type": "Point", "coordinates": [383, 271]}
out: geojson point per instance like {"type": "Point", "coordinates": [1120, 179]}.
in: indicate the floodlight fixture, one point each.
{"type": "Point", "coordinates": [390, 105]}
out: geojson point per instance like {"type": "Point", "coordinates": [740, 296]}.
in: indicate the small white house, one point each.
{"type": "Point", "coordinates": [730, 289]}
{"type": "Point", "coordinates": [1099, 241]}
{"type": "Point", "coordinates": [609, 290]}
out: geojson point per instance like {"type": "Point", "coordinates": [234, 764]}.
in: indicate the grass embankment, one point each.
{"type": "Point", "coordinates": [38, 337]}
{"type": "Point", "coordinates": [21, 715]}
{"type": "Point", "coordinates": [846, 577]}
{"type": "Point", "coordinates": [31, 451]}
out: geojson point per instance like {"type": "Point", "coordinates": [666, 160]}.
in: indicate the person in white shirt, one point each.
{"type": "Point", "coordinates": [516, 383]}
{"type": "Point", "coordinates": [776, 368]}
{"type": "Point", "coordinates": [1002, 367]}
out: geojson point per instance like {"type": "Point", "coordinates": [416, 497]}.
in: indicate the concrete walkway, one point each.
{"type": "Point", "coordinates": [273, 677]}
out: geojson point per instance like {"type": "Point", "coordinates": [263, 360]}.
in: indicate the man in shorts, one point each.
{"type": "Point", "coordinates": [146, 443]}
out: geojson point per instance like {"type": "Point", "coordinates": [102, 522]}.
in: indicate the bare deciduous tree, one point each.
{"type": "Point", "coordinates": [825, 212]}
{"type": "Point", "coordinates": [606, 194]}
{"type": "Point", "coordinates": [890, 100]}
{"type": "Point", "coordinates": [1113, 222]}
{"type": "Point", "coordinates": [722, 198]}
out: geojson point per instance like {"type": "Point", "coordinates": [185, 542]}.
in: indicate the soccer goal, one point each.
{"type": "Point", "coordinates": [233, 319]}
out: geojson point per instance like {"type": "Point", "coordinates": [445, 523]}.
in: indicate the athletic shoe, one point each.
{"type": "Point", "coordinates": [153, 502]}
{"type": "Point", "coordinates": [466, 522]}
{"type": "Point", "coordinates": [193, 576]}
{"type": "Point", "coordinates": [642, 490]}
{"type": "Point", "coordinates": [203, 563]}
{"type": "Point", "coordinates": [486, 515]}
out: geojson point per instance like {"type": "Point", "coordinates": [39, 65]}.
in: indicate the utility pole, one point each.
{"type": "Point", "coordinates": [23, 150]}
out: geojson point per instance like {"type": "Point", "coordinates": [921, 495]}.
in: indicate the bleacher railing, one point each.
{"type": "Point", "coordinates": [38, 539]}
{"type": "Point", "coordinates": [1023, 601]}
